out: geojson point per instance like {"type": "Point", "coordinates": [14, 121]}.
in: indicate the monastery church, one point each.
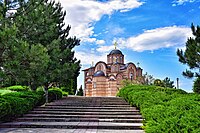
{"type": "Point", "coordinates": [104, 79]}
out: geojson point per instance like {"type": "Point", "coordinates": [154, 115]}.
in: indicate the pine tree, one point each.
{"type": "Point", "coordinates": [80, 91]}
{"type": "Point", "coordinates": [168, 83]}
{"type": "Point", "coordinates": [19, 61]}
{"type": "Point", "coordinates": [196, 86]}
{"type": "Point", "coordinates": [191, 55]}
{"type": "Point", "coordinates": [40, 26]}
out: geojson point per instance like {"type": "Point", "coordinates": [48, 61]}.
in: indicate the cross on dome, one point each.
{"type": "Point", "coordinates": [115, 44]}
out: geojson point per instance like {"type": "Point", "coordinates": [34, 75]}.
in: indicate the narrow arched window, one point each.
{"type": "Point", "coordinates": [131, 76]}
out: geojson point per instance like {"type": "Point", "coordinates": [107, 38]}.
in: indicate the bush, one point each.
{"type": "Point", "coordinates": [5, 108]}
{"type": "Point", "coordinates": [18, 88]}
{"type": "Point", "coordinates": [54, 94]}
{"type": "Point", "coordinates": [64, 93]}
{"type": "Point", "coordinates": [165, 109]}
{"type": "Point", "coordinates": [17, 103]}
{"type": "Point", "coordinates": [2, 92]}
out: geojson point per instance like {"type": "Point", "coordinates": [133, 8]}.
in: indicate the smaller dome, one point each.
{"type": "Point", "coordinates": [99, 73]}
{"type": "Point", "coordinates": [124, 67]}
{"type": "Point", "coordinates": [115, 51]}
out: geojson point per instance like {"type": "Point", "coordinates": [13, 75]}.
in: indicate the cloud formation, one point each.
{"type": "Point", "coordinates": [88, 57]}
{"type": "Point", "coordinates": [82, 14]}
{"type": "Point", "coordinates": [157, 38]}
{"type": "Point", "coordinates": [181, 2]}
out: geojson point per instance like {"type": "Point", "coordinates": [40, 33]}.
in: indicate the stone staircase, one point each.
{"type": "Point", "coordinates": [84, 113]}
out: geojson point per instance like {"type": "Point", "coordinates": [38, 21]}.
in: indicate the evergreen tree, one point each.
{"type": "Point", "coordinates": [80, 91]}
{"type": "Point", "coordinates": [45, 25]}
{"type": "Point", "coordinates": [168, 83]}
{"type": "Point", "coordinates": [191, 55]}
{"type": "Point", "coordinates": [158, 82]}
{"type": "Point", "coordinates": [196, 86]}
{"type": "Point", "coordinates": [40, 28]}
{"type": "Point", "coordinates": [19, 61]}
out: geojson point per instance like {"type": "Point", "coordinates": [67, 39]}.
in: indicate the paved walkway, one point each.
{"type": "Point", "coordinates": [43, 130]}
{"type": "Point", "coordinates": [79, 115]}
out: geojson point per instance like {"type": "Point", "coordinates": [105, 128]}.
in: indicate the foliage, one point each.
{"type": "Point", "coordinates": [65, 93]}
{"type": "Point", "coordinates": [158, 82]}
{"type": "Point", "coordinates": [2, 92]}
{"type": "Point", "coordinates": [80, 91]}
{"type": "Point", "coordinates": [17, 103]}
{"type": "Point", "coordinates": [190, 56]}
{"type": "Point", "coordinates": [196, 87]}
{"type": "Point", "coordinates": [164, 83]}
{"type": "Point", "coordinates": [17, 88]}
{"type": "Point", "coordinates": [54, 94]}
{"type": "Point", "coordinates": [168, 83]}
{"type": "Point", "coordinates": [127, 82]}
{"type": "Point", "coordinates": [36, 50]}
{"type": "Point", "coordinates": [164, 109]}
{"type": "Point", "coordinates": [148, 79]}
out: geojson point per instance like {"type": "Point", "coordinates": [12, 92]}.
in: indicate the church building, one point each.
{"type": "Point", "coordinates": [104, 79]}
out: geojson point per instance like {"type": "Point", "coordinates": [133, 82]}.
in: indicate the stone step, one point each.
{"type": "Point", "coordinates": [54, 130]}
{"type": "Point", "coordinates": [77, 107]}
{"type": "Point", "coordinates": [74, 125]}
{"type": "Point", "coordinates": [85, 116]}
{"type": "Point", "coordinates": [39, 119]}
{"type": "Point", "coordinates": [83, 113]}
{"type": "Point", "coordinates": [86, 105]}
{"type": "Point", "coordinates": [89, 102]}
{"type": "Point", "coordinates": [84, 110]}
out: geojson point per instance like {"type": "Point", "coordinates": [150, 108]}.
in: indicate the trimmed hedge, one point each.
{"type": "Point", "coordinates": [54, 94]}
{"type": "Point", "coordinates": [165, 109]}
{"type": "Point", "coordinates": [18, 88]}
{"type": "Point", "coordinates": [17, 103]}
{"type": "Point", "coordinates": [65, 93]}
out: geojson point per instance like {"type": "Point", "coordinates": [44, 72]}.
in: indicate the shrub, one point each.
{"type": "Point", "coordinates": [17, 103]}
{"type": "Point", "coordinates": [64, 93]}
{"type": "Point", "coordinates": [5, 108]}
{"type": "Point", "coordinates": [54, 94]}
{"type": "Point", "coordinates": [2, 92]}
{"type": "Point", "coordinates": [165, 109]}
{"type": "Point", "coordinates": [18, 88]}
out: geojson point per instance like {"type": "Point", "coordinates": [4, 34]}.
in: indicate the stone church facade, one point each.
{"type": "Point", "coordinates": [104, 79]}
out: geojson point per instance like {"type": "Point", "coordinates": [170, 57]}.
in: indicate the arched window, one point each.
{"type": "Point", "coordinates": [99, 67]}
{"type": "Point", "coordinates": [131, 76]}
{"type": "Point", "coordinates": [87, 73]}
{"type": "Point", "coordinates": [94, 85]}
{"type": "Point", "coordinates": [116, 69]}
{"type": "Point", "coordinates": [113, 59]}
{"type": "Point", "coordinates": [121, 59]}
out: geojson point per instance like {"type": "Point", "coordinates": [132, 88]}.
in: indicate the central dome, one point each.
{"type": "Point", "coordinates": [115, 51]}
{"type": "Point", "coordinates": [99, 73]}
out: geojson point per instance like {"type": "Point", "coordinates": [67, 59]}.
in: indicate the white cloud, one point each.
{"type": "Point", "coordinates": [104, 49]}
{"type": "Point", "coordinates": [87, 58]}
{"type": "Point", "coordinates": [157, 38]}
{"type": "Point", "coordinates": [82, 14]}
{"type": "Point", "coordinates": [117, 30]}
{"type": "Point", "coordinates": [100, 42]}
{"type": "Point", "coordinates": [181, 2]}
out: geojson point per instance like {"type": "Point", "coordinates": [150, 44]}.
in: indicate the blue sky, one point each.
{"type": "Point", "coordinates": [147, 31]}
